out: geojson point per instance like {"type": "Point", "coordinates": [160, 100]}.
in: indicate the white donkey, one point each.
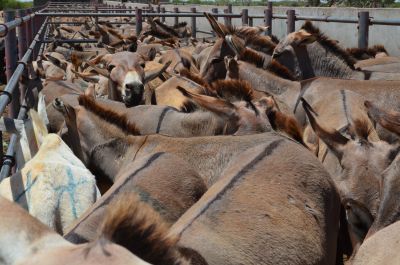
{"type": "Point", "coordinates": [54, 186]}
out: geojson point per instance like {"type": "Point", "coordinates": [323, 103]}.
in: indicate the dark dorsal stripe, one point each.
{"type": "Point", "coordinates": [148, 163]}
{"type": "Point", "coordinates": [162, 116]}
{"type": "Point", "coordinates": [247, 168]}
{"type": "Point", "coordinates": [344, 102]}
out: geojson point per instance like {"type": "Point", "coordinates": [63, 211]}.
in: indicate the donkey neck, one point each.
{"type": "Point", "coordinates": [316, 60]}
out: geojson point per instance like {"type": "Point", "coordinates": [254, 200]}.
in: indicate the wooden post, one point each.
{"type": "Point", "coordinates": [194, 26]}
{"type": "Point", "coordinates": [363, 29]}
{"type": "Point", "coordinates": [268, 18]}
{"type": "Point", "coordinates": [291, 21]}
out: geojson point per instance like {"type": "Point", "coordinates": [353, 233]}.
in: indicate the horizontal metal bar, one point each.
{"type": "Point", "coordinates": [12, 83]}
{"type": "Point", "coordinates": [387, 22]}
{"type": "Point", "coordinates": [69, 41]}
{"type": "Point", "coordinates": [328, 19]}
{"type": "Point", "coordinates": [4, 28]}
{"type": "Point", "coordinates": [204, 32]}
{"type": "Point", "coordinates": [133, 15]}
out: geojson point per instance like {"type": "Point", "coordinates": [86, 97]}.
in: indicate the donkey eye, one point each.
{"type": "Point", "coordinates": [142, 65]}
{"type": "Point", "coordinates": [110, 67]}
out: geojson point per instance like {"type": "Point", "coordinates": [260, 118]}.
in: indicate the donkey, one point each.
{"type": "Point", "coordinates": [170, 190]}
{"type": "Point", "coordinates": [116, 136]}
{"type": "Point", "coordinates": [54, 186]}
{"type": "Point", "coordinates": [363, 162]}
{"type": "Point", "coordinates": [309, 53]}
{"type": "Point", "coordinates": [125, 71]}
{"type": "Point", "coordinates": [131, 234]}
{"type": "Point", "coordinates": [266, 208]}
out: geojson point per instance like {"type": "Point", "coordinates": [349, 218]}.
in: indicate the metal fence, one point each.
{"type": "Point", "coordinates": [29, 26]}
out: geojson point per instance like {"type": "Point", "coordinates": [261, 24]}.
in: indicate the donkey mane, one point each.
{"type": "Point", "coordinates": [180, 25]}
{"type": "Point", "coordinates": [278, 69]}
{"type": "Point", "coordinates": [134, 225]}
{"type": "Point", "coordinates": [361, 129]}
{"type": "Point", "coordinates": [329, 44]}
{"type": "Point", "coordinates": [253, 57]}
{"type": "Point", "coordinates": [167, 28]}
{"type": "Point", "coordinates": [192, 76]}
{"type": "Point", "coordinates": [274, 39]}
{"type": "Point", "coordinates": [239, 89]}
{"type": "Point", "coordinates": [262, 41]}
{"type": "Point", "coordinates": [121, 121]}
{"type": "Point", "coordinates": [281, 122]}
{"type": "Point", "coordinates": [371, 52]}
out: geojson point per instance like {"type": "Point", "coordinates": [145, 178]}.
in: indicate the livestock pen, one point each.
{"type": "Point", "coordinates": [25, 35]}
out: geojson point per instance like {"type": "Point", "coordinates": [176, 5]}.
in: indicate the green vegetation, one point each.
{"type": "Point", "coordinates": [14, 4]}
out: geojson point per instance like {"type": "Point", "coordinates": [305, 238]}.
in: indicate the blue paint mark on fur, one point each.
{"type": "Point", "coordinates": [70, 188]}
{"type": "Point", "coordinates": [28, 186]}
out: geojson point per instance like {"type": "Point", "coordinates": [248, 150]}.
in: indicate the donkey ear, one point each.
{"type": "Point", "coordinates": [332, 138]}
{"type": "Point", "coordinates": [303, 37]}
{"type": "Point", "coordinates": [282, 122]}
{"type": "Point", "coordinates": [216, 105]}
{"type": "Point", "coordinates": [91, 91]}
{"type": "Point", "coordinates": [359, 220]}
{"type": "Point", "coordinates": [57, 62]}
{"type": "Point", "coordinates": [388, 120]}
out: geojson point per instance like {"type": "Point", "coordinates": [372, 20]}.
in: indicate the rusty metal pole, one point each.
{"type": "Point", "coordinates": [176, 10]}
{"type": "Point", "coordinates": [268, 18]}
{"type": "Point", "coordinates": [213, 12]}
{"type": "Point", "coordinates": [194, 26]}
{"type": "Point", "coordinates": [139, 21]}
{"type": "Point", "coordinates": [245, 17]}
{"type": "Point", "coordinates": [96, 19]}
{"type": "Point", "coordinates": [250, 21]}
{"type": "Point", "coordinates": [11, 61]}
{"type": "Point", "coordinates": [226, 19]}
{"type": "Point", "coordinates": [291, 21]}
{"type": "Point", "coordinates": [230, 12]}
{"type": "Point", "coordinates": [159, 8]}
{"type": "Point", "coordinates": [163, 11]}
{"type": "Point", "coordinates": [363, 29]}
{"type": "Point", "coordinates": [22, 47]}
{"type": "Point", "coordinates": [29, 32]}
{"type": "Point", "coordinates": [21, 32]}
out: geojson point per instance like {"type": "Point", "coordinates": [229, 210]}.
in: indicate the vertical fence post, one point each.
{"type": "Point", "coordinates": [268, 18]}
{"type": "Point", "coordinates": [229, 9]}
{"type": "Point", "coordinates": [245, 17]}
{"type": "Point", "coordinates": [194, 26]}
{"type": "Point", "coordinates": [159, 9]}
{"type": "Point", "coordinates": [22, 47]}
{"type": "Point", "coordinates": [163, 11]}
{"type": "Point", "coordinates": [214, 11]}
{"type": "Point", "coordinates": [29, 29]}
{"type": "Point", "coordinates": [176, 10]}
{"type": "Point", "coordinates": [363, 29]}
{"type": "Point", "coordinates": [226, 19]}
{"type": "Point", "coordinates": [21, 32]}
{"type": "Point", "coordinates": [291, 21]}
{"type": "Point", "coordinates": [96, 19]}
{"type": "Point", "coordinates": [139, 21]}
{"type": "Point", "coordinates": [11, 61]}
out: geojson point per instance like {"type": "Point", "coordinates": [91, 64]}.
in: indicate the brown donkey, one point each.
{"type": "Point", "coordinates": [128, 222]}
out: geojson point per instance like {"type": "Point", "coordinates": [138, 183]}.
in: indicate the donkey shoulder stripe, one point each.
{"type": "Point", "coordinates": [162, 116]}
{"type": "Point", "coordinates": [227, 184]}
{"type": "Point", "coordinates": [116, 188]}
